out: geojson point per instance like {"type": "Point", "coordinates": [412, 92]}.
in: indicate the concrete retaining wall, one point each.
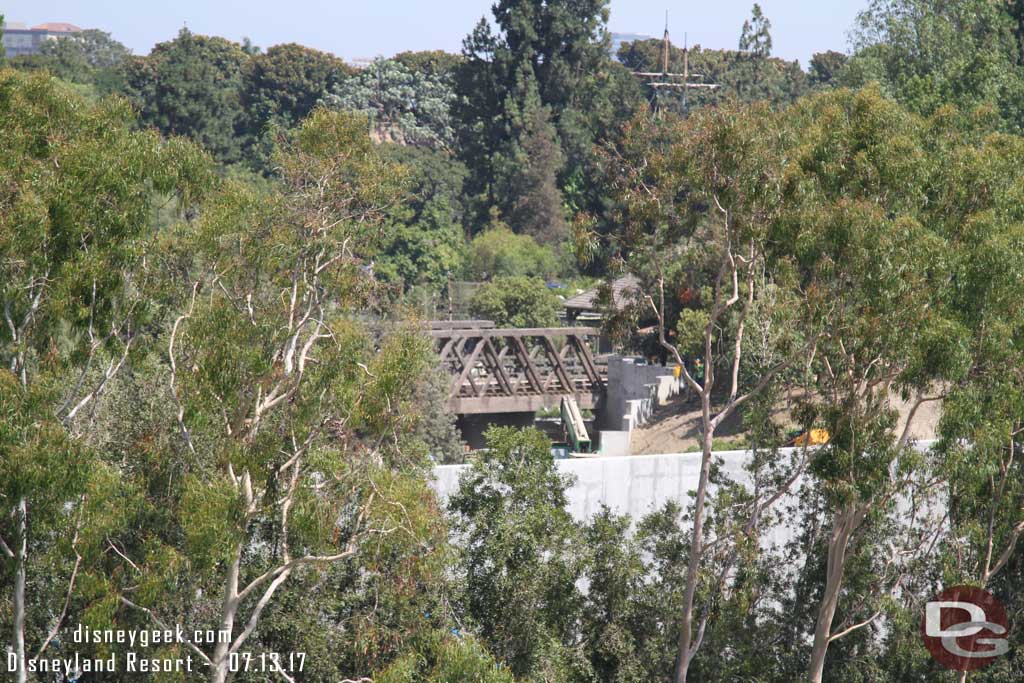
{"type": "Point", "coordinates": [633, 392]}
{"type": "Point", "coordinates": [635, 484]}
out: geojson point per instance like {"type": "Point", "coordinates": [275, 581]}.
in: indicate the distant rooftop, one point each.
{"type": "Point", "coordinates": [21, 41]}
{"type": "Point", "coordinates": [57, 27]}
{"type": "Point", "coordinates": [623, 289]}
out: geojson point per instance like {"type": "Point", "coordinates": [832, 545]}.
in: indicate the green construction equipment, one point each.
{"type": "Point", "coordinates": [575, 429]}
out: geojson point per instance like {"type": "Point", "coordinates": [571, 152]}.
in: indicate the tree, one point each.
{"type": "Point", "coordinates": [425, 245]}
{"type": "Point", "coordinates": [498, 251]}
{"type": "Point", "coordinates": [285, 410]}
{"type": "Point", "coordinates": [87, 50]}
{"type": "Point", "coordinates": [546, 60]}
{"type": "Point", "coordinates": [516, 301]}
{"type": "Point", "coordinates": [871, 258]}
{"type": "Point", "coordinates": [436, 428]}
{"type": "Point", "coordinates": [979, 450]}
{"type": "Point", "coordinates": [81, 187]}
{"type": "Point", "coordinates": [90, 58]}
{"type": "Point", "coordinates": [929, 54]}
{"type": "Point", "coordinates": [613, 621]}
{"type": "Point", "coordinates": [49, 523]}
{"type": "Point", "coordinates": [519, 563]}
{"type": "Point", "coordinates": [537, 205]}
{"type": "Point", "coordinates": [192, 86]}
{"type": "Point", "coordinates": [430, 62]}
{"type": "Point", "coordinates": [756, 44]}
{"type": "Point", "coordinates": [697, 197]}
{"type": "Point", "coordinates": [445, 658]}
{"type": "Point", "coordinates": [284, 84]}
{"type": "Point", "coordinates": [755, 38]}
{"type": "Point", "coordinates": [404, 106]}
{"type": "Point", "coordinates": [826, 68]}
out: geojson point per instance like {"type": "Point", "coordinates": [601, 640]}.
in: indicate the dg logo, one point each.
{"type": "Point", "coordinates": [965, 628]}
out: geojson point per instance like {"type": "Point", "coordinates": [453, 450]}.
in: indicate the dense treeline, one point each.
{"type": "Point", "coordinates": [217, 410]}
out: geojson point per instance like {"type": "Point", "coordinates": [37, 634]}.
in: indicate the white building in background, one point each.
{"type": "Point", "coordinates": [20, 40]}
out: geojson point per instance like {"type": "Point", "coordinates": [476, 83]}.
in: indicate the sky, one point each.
{"type": "Point", "coordinates": [370, 28]}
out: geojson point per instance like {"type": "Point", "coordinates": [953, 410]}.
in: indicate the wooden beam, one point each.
{"type": "Point", "coordinates": [464, 375]}
{"type": "Point", "coordinates": [460, 324]}
{"type": "Point", "coordinates": [518, 404]}
{"type": "Point", "coordinates": [517, 332]}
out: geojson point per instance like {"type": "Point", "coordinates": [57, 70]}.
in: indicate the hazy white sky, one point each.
{"type": "Point", "coordinates": [367, 28]}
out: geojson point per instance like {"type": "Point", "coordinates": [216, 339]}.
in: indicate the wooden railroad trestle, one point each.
{"type": "Point", "coordinates": [518, 370]}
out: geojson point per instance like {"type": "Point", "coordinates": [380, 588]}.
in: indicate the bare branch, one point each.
{"type": "Point", "coordinates": [67, 600]}
{"type": "Point", "coordinates": [159, 622]}
{"type": "Point", "coordinates": [905, 436]}
{"type": "Point", "coordinates": [836, 636]}
{"type": "Point", "coordinates": [174, 367]}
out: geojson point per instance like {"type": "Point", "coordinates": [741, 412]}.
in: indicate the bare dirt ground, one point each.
{"type": "Point", "coordinates": [675, 427]}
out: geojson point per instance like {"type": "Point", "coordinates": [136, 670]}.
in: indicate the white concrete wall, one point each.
{"type": "Point", "coordinates": [633, 392]}
{"type": "Point", "coordinates": [634, 484]}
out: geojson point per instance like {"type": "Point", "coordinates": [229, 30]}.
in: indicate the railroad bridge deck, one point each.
{"type": "Point", "coordinates": [498, 370]}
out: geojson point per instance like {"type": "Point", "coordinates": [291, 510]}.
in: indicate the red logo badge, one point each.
{"type": "Point", "coordinates": [965, 628]}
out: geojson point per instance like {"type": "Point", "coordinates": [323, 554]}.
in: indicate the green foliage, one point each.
{"type": "Point", "coordinates": [404, 105]}
{"type": "Point", "coordinates": [192, 86]}
{"type": "Point", "coordinates": [38, 461]}
{"type": "Point", "coordinates": [441, 658]}
{"type": "Point", "coordinates": [537, 209]}
{"type": "Point", "coordinates": [91, 59]}
{"type": "Point", "coordinates": [81, 186]}
{"type": "Point", "coordinates": [690, 331]}
{"type": "Point", "coordinates": [929, 54]}
{"type": "Point", "coordinates": [826, 68]}
{"type": "Point", "coordinates": [533, 99]}
{"type": "Point", "coordinates": [280, 88]}
{"type": "Point", "coordinates": [498, 251]}
{"type": "Point", "coordinates": [520, 554]}
{"type": "Point", "coordinates": [91, 56]}
{"type": "Point", "coordinates": [290, 435]}
{"type": "Point", "coordinates": [74, 219]}
{"type": "Point", "coordinates": [425, 244]}
{"type": "Point", "coordinates": [436, 428]}
{"type": "Point", "coordinates": [284, 84]}
{"type": "Point", "coordinates": [430, 62]}
{"type": "Point", "coordinates": [516, 301]}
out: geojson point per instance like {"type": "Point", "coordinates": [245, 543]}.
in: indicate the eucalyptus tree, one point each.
{"type": "Point", "coordinates": [697, 199]}
{"type": "Point", "coordinates": [979, 452]}
{"type": "Point", "coordinates": [874, 264]}
{"type": "Point", "coordinates": [287, 412]}
{"type": "Point", "coordinates": [929, 54]}
{"type": "Point", "coordinates": [75, 218]}
{"type": "Point", "coordinates": [521, 557]}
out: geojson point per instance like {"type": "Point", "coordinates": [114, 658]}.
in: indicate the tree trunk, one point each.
{"type": "Point", "coordinates": [842, 530]}
{"type": "Point", "coordinates": [222, 653]}
{"type": "Point", "coordinates": [20, 575]}
{"type": "Point", "coordinates": [685, 646]}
